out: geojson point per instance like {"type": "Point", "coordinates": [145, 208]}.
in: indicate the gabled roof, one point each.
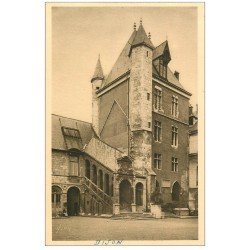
{"type": "Point", "coordinates": [159, 50]}
{"type": "Point", "coordinates": [98, 74]}
{"type": "Point", "coordinates": [58, 139]}
{"type": "Point", "coordinates": [122, 64]}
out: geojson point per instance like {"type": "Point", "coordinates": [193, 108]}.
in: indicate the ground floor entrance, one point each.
{"type": "Point", "coordinates": [126, 196]}
{"type": "Point", "coordinates": [73, 201]}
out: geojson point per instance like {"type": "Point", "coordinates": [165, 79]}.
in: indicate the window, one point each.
{"type": "Point", "coordinates": [174, 108]}
{"type": "Point", "coordinates": [149, 124]}
{"type": "Point", "coordinates": [157, 131]}
{"type": "Point", "coordinates": [72, 138]}
{"type": "Point", "coordinates": [162, 68]}
{"type": "Point", "coordinates": [56, 195]}
{"type": "Point", "coordinates": [174, 164]}
{"type": "Point", "coordinates": [157, 161]}
{"type": "Point", "coordinates": [157, 99]}
{"type": "Point", "coordinates": [147, 53]}
{"type": "Point", "coordinates": [174, 136]}
{"type": "Point", "coordinates": [73, 165]}
{"type": "Point", "coordinates": [148, 96]}
{"type": "Point", "coordinates": [71, 132]}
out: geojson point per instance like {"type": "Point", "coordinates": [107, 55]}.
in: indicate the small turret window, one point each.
{"type": "Point", "coordinates": [147, 53]}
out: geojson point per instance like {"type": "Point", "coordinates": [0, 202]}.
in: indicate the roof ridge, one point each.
{"type": "Point", "coordinates": [71, 118]}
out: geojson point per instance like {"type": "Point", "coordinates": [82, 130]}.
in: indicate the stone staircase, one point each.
{"type": "Point", "coordinates": [132, 216]}
{"type": "Point", "coordinates": [99, 194]}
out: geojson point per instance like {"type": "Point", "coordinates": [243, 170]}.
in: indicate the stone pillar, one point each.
{"type": "Point", "coordinates": [133, 205]}
{"type": "Point", "coordinates": [116, 208]}
{"type": "Point", "coordinates": [98, 177]}
{"type": "Point", "coordinates": [91, 172]}
{"type": "Point", "coordinates": [82, 204]}
{"type": "Point", "coordinates": [116, 191]}
{"type": "Point", "coordinates": [144, 197]}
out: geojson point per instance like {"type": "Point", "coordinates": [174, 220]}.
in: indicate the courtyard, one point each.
{"type": "Point", "coordinates": [89, 228]}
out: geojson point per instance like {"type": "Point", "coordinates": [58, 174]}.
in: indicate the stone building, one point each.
{"type": "Point", "coordinates": [137, 142]}
{"type": "Point", "coordinates": [193, 160]}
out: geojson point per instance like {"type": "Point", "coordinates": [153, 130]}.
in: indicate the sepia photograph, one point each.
{"type": "Point", "coordinates": [125, 124]}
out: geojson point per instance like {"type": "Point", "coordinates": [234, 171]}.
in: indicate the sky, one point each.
{"type": "Point", "coordinates": [79, 34]}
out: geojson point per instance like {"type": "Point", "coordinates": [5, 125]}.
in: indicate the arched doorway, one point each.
{"type": "Point", "coordinates": [73, 201]}
{"type": "Point", "coordinates": [126, 195]}
{"type": "Point", "coordinates": [139, 194]}
{"type": "Point", "coordinates": [176, 191]}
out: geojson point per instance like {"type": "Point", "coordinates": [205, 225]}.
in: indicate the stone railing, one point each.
{"type": "Point", "coordinates": [97, 191]}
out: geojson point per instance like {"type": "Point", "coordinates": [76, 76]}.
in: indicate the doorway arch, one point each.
{"type": "Point", "coordinates": [139, 194]}
{"type": "Point", "coordinates": [73, 201]}
{"type": "Point", "coordinates": [176, 191]}
{"type": "Point", "coordinates": [126, 195]}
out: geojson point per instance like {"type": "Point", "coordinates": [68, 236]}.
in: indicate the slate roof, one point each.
{"type": "Point", "coordinates": [123, 63]}
{"type": "Point", "coordinates": [58, 139]}
{"type": "Point", "coordinates": [142, 38]}
{"type": "Point", "coordinates": [98, 74]}
{"type": "Point", "coordinates": [158, 51]}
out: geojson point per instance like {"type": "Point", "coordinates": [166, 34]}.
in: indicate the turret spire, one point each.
{"type": "Point", "coordinates": [98, 74]}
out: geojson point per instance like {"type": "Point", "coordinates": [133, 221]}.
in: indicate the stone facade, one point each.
{"type": "Point", "coordinates": [116, 166]}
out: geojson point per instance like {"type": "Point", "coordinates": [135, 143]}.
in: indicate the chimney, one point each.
{"type": "Point", "coordinates": [177, 74]}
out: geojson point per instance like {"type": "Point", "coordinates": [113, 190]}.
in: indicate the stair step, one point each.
{"type": "Point", "coordinates": [133, 216]}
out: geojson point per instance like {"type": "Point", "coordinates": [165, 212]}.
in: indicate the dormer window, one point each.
{"type": "Point", "coordinates": [162, 68]}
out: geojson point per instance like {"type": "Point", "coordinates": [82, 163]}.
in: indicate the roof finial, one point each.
{"type": "Point", "coordinates": [99, 56]}
{"type": "Point", "coordinates": [134, 26]}
{"type": "Point", "coordinates": [149, 35]}
{"type": "Point", "coordinates": [140, 21]}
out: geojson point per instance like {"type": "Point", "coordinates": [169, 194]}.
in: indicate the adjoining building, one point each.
{"type": "Point", "coordinates": [138, 141]}
{"type": "Point", "coordinates": [193, 160]}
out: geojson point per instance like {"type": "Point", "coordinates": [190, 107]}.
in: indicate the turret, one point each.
{"type": "Point", "coordinates": [96, 84]}
{"type": "Point", "coordinates": [140, 99]}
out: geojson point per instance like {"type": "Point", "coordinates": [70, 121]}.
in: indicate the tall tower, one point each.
{"type": "Point", "coordinates": [140, 100]}
{"type": "Point", "coordinates": [96, 84]}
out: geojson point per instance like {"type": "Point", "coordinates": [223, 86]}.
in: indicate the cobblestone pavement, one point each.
{"type": "Point", "coordinates": [86, 228]}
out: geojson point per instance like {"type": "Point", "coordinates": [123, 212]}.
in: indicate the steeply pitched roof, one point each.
{"type": "Point", "coordinates": [58, 139]}
{"type": "Point", "coordinates": [122, 64]}
{"type": "Point", "coordinates": [98, 74]}
{"type": "Point", "coordinates": [142, 38]}
{"type": "Point", "coordinates": [159, 50]}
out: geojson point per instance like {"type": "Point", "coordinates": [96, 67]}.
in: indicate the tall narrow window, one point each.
{"type": "Point", "coordinates": [157, 131]}
{"type": "Point", "coordinates": [162, 68]}
{"type": "Point", "coordinates": [174, 136]}
{"type": "Point", "coordinates": [56, 195]}
{"type": "Point", "coordinates": [157, 99]}
{"type": "Point", "coordinates": [174, 108]}
{"type": "Point", "coordinates": [174, 164]}
{"type": "Point", "coordinates": [73, 165]}
{"type": "Point", "coordinates": [157, 161]}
